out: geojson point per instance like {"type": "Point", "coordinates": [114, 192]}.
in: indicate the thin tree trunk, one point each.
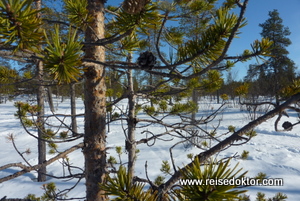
{"type": "Point", "coordinates": [151, 84]}
{"type": "Point", "coordinates": [40, 120]}
{"type": "Point", "coordinates": [95, 106]}
{"type": "Point", "coordinates": [40, 116]}
{"type": "Point", "coordinates": [195, 100]}
{"type": "Point", "coordinates": [131, 121]}
{"type": "Point", "coordinates": [73, 108]}
{"type": "Point", "coordinates": [218, 96]}
{"type": "Point", "coordinates": [50, 99]}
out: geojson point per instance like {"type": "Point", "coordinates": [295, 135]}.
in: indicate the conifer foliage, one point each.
{"type": "Point", "coordinates": [278, 70]}
{"type": "Point", "coordinates": [63, 59]}
{"type": "Point", "coordinates": [95, 39]}
{"type": "Point", "coordinates": [216, 172]}
{"type": "Point", "coordinates": [19, 24]}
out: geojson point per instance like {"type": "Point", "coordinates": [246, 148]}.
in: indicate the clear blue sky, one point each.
{"type": "Point", "coordinates": [257, 12]}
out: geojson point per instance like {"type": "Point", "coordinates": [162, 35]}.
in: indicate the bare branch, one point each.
{"type": "Point", "coordinates": [19, 55]}
{"type": "Point", "coordinates": [27, 169]}
{"type": "Point", "coordinates": [20, 165]}
{"type": "Point", "coordinates": [110, 40]}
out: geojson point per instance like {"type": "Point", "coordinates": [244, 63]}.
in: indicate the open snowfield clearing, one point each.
{"type": "Point", "coordinates": [274, 153]}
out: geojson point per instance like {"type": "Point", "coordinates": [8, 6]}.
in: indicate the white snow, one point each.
{"type": "Point", "coordinates": [274, 153]}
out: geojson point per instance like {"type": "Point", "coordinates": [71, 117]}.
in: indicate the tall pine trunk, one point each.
{"type": "Point", "coordinates": [40, 121]}
{"type": "Point", "coordinates": [95, 106]}
{"type": "Point", "coordinates": [40, 116]}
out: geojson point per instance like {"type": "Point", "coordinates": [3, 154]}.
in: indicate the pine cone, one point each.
{"type": "Point", "coordinates": [287, 126]}
{"type": "Point", "coordinates": [146, 60]}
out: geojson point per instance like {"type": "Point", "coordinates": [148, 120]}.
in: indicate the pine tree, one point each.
{"type": "Point", "coordinates": [66, 60]}
{"type": "Point", "coordinates": [279, 70]}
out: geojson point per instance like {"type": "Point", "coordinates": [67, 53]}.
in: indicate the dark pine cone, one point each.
{"type": "Point", "coordinates": [146, 60]}
{"type": "Point", "coordinates": [287, 126]}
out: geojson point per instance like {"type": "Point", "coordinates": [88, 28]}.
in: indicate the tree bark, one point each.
{"type": "Point", "coordinates": [50, 99]}
{"type": "Point", "coordinates": [95, 106]}
{"type": "Point", "coordinates": [131, 122]}
{"type": "Point", "coordinates": [73, 108]}
{"type": "Point", "coordinates": [40, 116]}
{"type": "Point", "coordinates": [195, 100]}
{"type": "Point", "coordinates": [40, 120]}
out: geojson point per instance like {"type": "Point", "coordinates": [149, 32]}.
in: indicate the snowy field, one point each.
{"type": "Point", "coordinates": [275, 153]}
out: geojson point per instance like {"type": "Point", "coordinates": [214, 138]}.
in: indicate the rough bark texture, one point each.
{"type": "Point", "coordinates": [95, 106]}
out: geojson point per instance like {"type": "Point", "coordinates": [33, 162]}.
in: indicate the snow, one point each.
{"type": "Point", "coordinates": [274, 153]}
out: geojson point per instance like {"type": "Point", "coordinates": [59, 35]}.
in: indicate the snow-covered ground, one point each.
{"type": "Point", "coordinates": [274, 153]}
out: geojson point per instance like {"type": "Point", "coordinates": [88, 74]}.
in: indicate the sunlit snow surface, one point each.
{"type": "Point", "coordinates": [275, 153]}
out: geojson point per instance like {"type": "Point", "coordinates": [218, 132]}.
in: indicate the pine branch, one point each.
{"type": "Point", "coordinates": [228, 43]}
{"type": "Point", "coordinates": [236, 136]}
{"type": "Point", "coordinates": [20, 56]}
{"type": "Point", "coordinates": [158, 39]}
{"type": "Point", "coordinates": [63, 23]}
{"type": "Point", "coordinates": [20, 165]}
{"type": "Point", "coordinates": [110, 40]}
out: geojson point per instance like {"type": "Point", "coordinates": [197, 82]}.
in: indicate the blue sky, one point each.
{"type": "Point", "coordinates": [258, 12]}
